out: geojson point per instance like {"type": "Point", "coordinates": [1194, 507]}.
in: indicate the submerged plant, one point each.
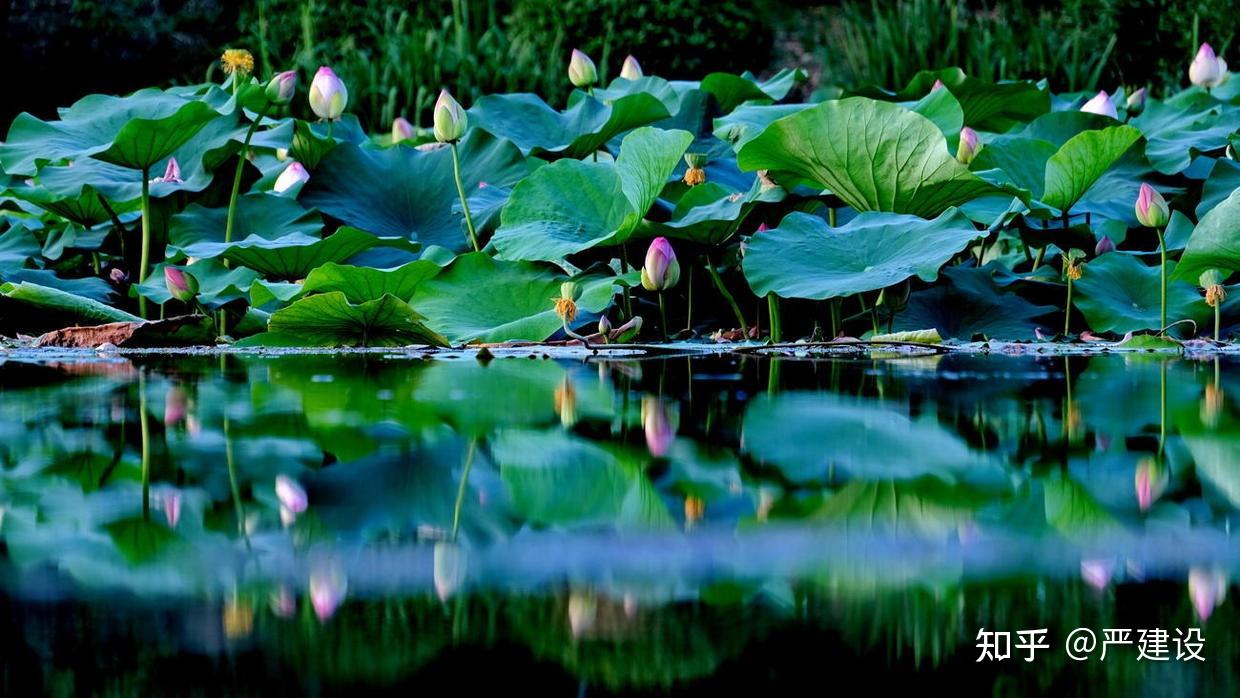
{"type": "Point", "coordinates": [1152, 212]}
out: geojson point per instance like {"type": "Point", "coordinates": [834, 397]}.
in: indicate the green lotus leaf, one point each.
{"type": "Point", "coordinates": [747, 121]}
{"type": "Point", "coordinates": [406, 192]}
{"type": "Point", "coordinates": [1224, 179]}
{"type": "Point", "coordinates": [970, 304]}
{"type": "Point", "coordinates": [259, 215]}
{"type": "Point", "coordinates": [537, 129]}
{"type": "Point", "coordinates": [135, 132]}
{"type": "Point", "coordinates": [987, 106]}
{"type": "Point", "coordinates": [16, 246]}
{"type": "Point", "coordinates": [58, 302]}
{"type": "Point", "coordinates": [711, 213]}
{"type": "Point", "coordinates": [1082, 160]}
{"type": "Point", "coordinates": [1059, 127]}
{"type": "Point", "coordinates": [805, 258]}
{"type": "Point", "coordinates": [295, 255]}
{"type": "Point", "coordinates": [941, 107]}
{"type": "Point", "coordinates": [1118, 293]}
{"type": "Point", "coordinates": [923, 508]}
{"type": "Point", "coordinates": [86, 208]}
{"type": "Point", "coordinates": [570, 206]}
{"type": "Point", "coordinates": [484, 299]}
{"type": "Point", "coordinates": [217, 284]}
{"type": "Point", "coordinates": [361, 284]}
{"type": "Point", "coordinates": [140, 540]}
{"type": "Point", "coordinates": [1175, 134]}
{"type": "Point", "coordinates": [876, 156]}
{"type": "Point", "coordinates": [90, 287]}
{"type": "Point", "coordinates": [330, 320]}
{"type": "Point", "coordinates": [1215, 242]}
{"type": "Point", "coordinates": [731, 91]}
{"type": "Point", "coordinates": [1016, 160]}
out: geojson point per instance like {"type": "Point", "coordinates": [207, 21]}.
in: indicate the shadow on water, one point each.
{"type": "Point", "coordinates": [258, 525]}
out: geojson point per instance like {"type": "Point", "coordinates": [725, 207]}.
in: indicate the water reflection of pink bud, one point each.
{"type": "Point", "coordinates": [170, 502]}
{"type": "Point", "coordinates": [291, 494]}
{"type": "Point", "coordinates": [582, 611]}
{"type": "Point", "coordinates": [327, 590]}
{"type": "Point", "coordinates": [451, 565]}
{"type": "Point", "coordinates": [1097, 573]}
{"type": "Point", "coordinates": [174, 406]}
{"type": "Point", "coordinates": [283, 603]}
{"type": "Point", "coordinates": [1207, 589]}
{"type": "Point", "coordinates": [1151, 482]}
{"type": "Point", "coordinates": [658, 424]}
{"type": "Point", "coordinates": [192, 426]}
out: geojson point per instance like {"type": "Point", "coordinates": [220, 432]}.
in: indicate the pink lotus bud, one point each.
{"type": "Point", "coordinates": [1152, 211]}
{"type": "Point", "coordinates": [118, 275]}
{"type": "Point", "coordinates": [582, 612]}
{"type": "Point", "coordinates": [450, 566]}
{"type": "Point", "coordinates": [327, 590]}
{"type": "Point", "coordinates": [181, 285]}
{"type": "Point", "coordinates": [1207, 589]}
{"type": "Point", "coordinates": [282, 87]}
{"type": "Point", "coordinates": [172, 174]}
{"type": "Point", "coordinates": [581, 70]}
{"type": "Point", "coordinates": [328, 95]}
{"type": "Point", "coordinates": [631, 70]}
{"type": "Point", "coordinates": [1104, 245]}
{"type": "Point", "coordinates": [938, 85]}
{"type": "Point", "coordinates": [174, 406]}
{"type": "Point", "coordinates": [658, 425]}
{"type": "Point", "coordinates": [283, 603]}
{"type": "Point", "coordinates": [1101, 104]}
{"type": "Point", "coordinates": [402, 130]}
{"type": "Point", "coordinates": [170, 503]}
{"type": "Point", "coordinates": [1207, 70]}
{"type": "Point", "coordinates": [1136, 102]}
{"type": "Point", "coordinates": [661, 270]}
{"type": "Point", "coordinates": [292, 175]}
{"type": "Point", "coordinates": [763, 227]}
{"type": "Point", "coordinates": [1097, 573]}
{"type": "Point", "coordinates": [450, 119]}
{"type": "Point", "coordinates": [291, 494]}
{"type": "Point", "coordinates": [970, 145]}
{"type": "Point", "coordinates": [1151, 482]}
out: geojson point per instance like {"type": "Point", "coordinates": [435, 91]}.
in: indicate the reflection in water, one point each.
{"type": "Point", "coordinates": [630, 525]}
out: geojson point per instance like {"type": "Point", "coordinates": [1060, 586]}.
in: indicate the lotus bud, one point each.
{"type": "Point", "coordinates": [581, 70]}
{"type": "Point", "coordinates": [1104, 245]}
{"type": "Point", "coordinates": [117, 275]}
{"type": "Point", "coordinates": [328, 95]}
{"type": "Point", "coordinates": [629, 330]}
{"type": "Point", "coordinates": [659, 426]}
{"type": "Point", "coordinates": [450, 119]}
{"type": "Point", "coordinates": [1212, 281]}
{"type": "Point", "coordinates": [181, 285]}
{"type": "Point", "coordinates": [661, 270]}
{"type": "Point", "coordinates": [327, 590]}
{"type": "Point", "coordinates": [292, 175]}
{"type": "Point", "coordinates": [970, 146]}
{"type": "Point", "coordinates": [604, 326]}
{"type": "Point", "coordinates": [172, 174]}
{"type": "Point", "coordinates": [1136, 102]}
{"type": "Point", "coordinates": [402, 130]}
{"type": "Point", "coordinates": [1101, 104]}
{"type": "Point", "coordinates": [450, 567]}
{"type": "Point", "coordinates": [170, 503]}
{"type": "Point", "coordinates": [282, 154]}
{"type": "Point", "coordinates": [1207, 588]}
{"type": "Point", "coordinates": [282, 602]}
{"type": "Point", "coordinates": [292, 498]}
{"type": "Point", "coordinates": [1151, 482]}
{"type": "Point", "coordinates": [1207, 70]}
{"type": "Point", "coordinates": [938, 85]}
{"type": "Point", "coordinates": [282, 87]}
{"type": "Point", "coordinates": [631, 70]}
{"type": "Point", "coordinates": [1097, 573]}
{"type": "Point", "coordinates": [696, 174]}
{"type": "Point", "coordinates": [174, 406]}
{"type": "Point", "coordinates": [238, 60]}
{"type": "Point", "coordinates": [1152, 211]}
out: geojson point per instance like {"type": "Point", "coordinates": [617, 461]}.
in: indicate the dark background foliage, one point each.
{"type": "Point", "coordinates": [396, 55]}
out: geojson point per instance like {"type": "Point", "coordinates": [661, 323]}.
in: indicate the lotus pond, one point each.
{"type": "Point", "coordinates": [259, 524]}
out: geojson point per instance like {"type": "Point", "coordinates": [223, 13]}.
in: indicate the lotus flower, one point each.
{"type": "Point", "coordinates": [938, 85]}
{"type": "Point", "coordinates": [450, 119]}
{"type": "Point", "coordinates": [604, 326]}
{"type": "Point", "coordinates": [328, 95]}
{"type": "Point", "coordinates": [1101, 104]}
{"type": "Point", "coordinates": [1097, 573]}
{"type": "Point", "coordinates": [1152, 211]}
{"type": "Point", "coordinates": [695, 173]}
{"type": "Point", "coordinates": [631, 70]}
{"type": "Point", "coordinates": [328, 587]}
{"type": "Point", "coordinates": [1207, 70]}
{"type": "Point", "coordinates": [659, 426]}
{"type": "Point", "coordinates": [581, 70]}
{"type": "Point", "coordinates": [1207, 589]}
{"type": "Point", "coordinates": [292, 498]}
{"type": "Point", "coordinates": [402, 130]}
{"type": "Point", "coordinates": [237, 60]}
{"type": "Point", "coordinates": [283, 603]}
{"type": "Point", "coordinates": [1136, 102]}
{"type": "Point", "coordinates": [1104, 245]}
{"type": "Point", "coordinates": [661, 270]}
{"type": "Point", "coordinates": [582, 611]}
{"type": "Point", "coordinates": [1151, 482]}
{"type": "Point", "coordinates": [170, 503]}
{"type": "Point", "coordinates": [970, 145]}
{"type": "Point", "coordinates": [292, 175]}
{"type": "Point", "coordinates": [182, 286]}
{"type": "Point", "coordinates": [172, 174]}
{"type": "Point", "coordinates": [282, 87]}
{"type": "Point", "coordinates": [174, 406]}
{"type": "Point", "coordinates": [450, 567]}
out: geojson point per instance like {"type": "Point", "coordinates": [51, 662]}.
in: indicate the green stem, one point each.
{"type": "Point", "coordinates": [772, 307]}
{"type": "Point", "coordinates": [831, 217]}
{"type": "Point", "coordinates": [232, 482]}
{"type": "Point", "coordinates": [1067, 308]}
{"type": "Point", "coordinates": [1037, 261]}
{"type": "Point", "coordinates": [146, 235]}
{"type": "Point", "coordinates": [1162, 253]}
{"type": "Point", "coordinates": [727, 295]}
{"type": "Point", "coordinates": [835, 317]}
{"type": "Point", "coordinates": [689, 311]}
{"type": "Point", "coordinates": [1216, 321]}
{"type": "Point", "coordinates": [460, 491]}
{"type": "Point", "coordinates": [663, 316]}
{"type": "Point", "coordinates": [460, 190]}
{"type": "Point", "coordinates": [145, 427]}
{"type": "Point", "coordinates": [236, 185]}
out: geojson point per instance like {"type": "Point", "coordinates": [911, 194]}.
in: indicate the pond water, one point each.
{"type": "Point", "coordinates": [319, 524]}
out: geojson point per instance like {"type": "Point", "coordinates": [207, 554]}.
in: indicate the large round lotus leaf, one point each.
{"type": "Point", "coordinates": [747, 121]}
{"type": "Point", "coordinates": [875, 156]}
{"type": "Point", "coordinates": [1215, 242]}
{"type": "Point", "coordinates": [1059, 127]}
{"type": "Point", "coordinates": [1223, 180]}
{"type": "Point", "coordinates": [259, 215]}
{"type": "Point", "coordinates": [293, 256]}
{"type": "Point", "coordinates": [61, 302]}
{"type": "Point", "coordinates": [1082, 160]}
{"type": "Point", "coordinates": [217, 284]}
{"type": "Point", "coordinates": [1119, 293]}
{"type": "Point", "coordinates": [361, 284]}
{"type": "Point", "coordinates": [1016, 160]}
{"type": "Point", "coordinates": [16, 246]}
{"type": "Point", "coordinates": [91, 287]}
{"type": "Point", "coordinates": [136, 132]}
{"type": "Point", "coordinates": [538, 129]}
{"type": "Point", "coordinates": [944, 110]}
{"type": "Point", "coordinates": [570, 206]}
{"type": "Point", "coordinates": [406, 192]}
{"type": "Point", "coordinates": [329, 319]}
{"type": "Point", "coordinates": [970, 305]}
{"type": "Point", "coordinates": [987, 106]}
{"type": "Point", "coordinates": [1178, 132]}
{"type": "Point", "coordinates": [805, 258]}
{"type": "Point", "coordinates": [480, 298]}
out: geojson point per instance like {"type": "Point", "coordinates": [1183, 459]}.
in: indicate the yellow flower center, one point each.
{"type": "Point", "coordinates": [695, 176]}
{"type": "Point", "coordinates": [566, 308]}
{"type": "Point", "coordinates": [1215, 294]}
{"type": "Point", "coordinates": [237, 60]}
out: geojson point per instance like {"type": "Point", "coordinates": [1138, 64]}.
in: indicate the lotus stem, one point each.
{"type": "Point", "coordinates": [1217, 308]}
{"type": "Point", "coordinates": [727, 295]}
{"type": "Point", "coordinates": [1162, 263]}
{"type": "Point", "coordinates": [831, 216]}
{"type": "Point", "coordinates": [1037, 261]}
{"type": "Point", "coordinates": [460, 491]}
{"type": "Point", "coordinates": [836, 327]}
{"type": "Point", "coordinates": [663, 316]}
{"type": "Point", "coordinates": [460, 190]}
{"type": "Point", "coordinates": [230, 462]}
{"type": "Point", "coordinates": [772, 307]}
{"type": "Point", "coordinates": [1067, 308]}
{"type": "Point", "coordinates": [689, 310]}
{"type": "Point", "coordinates": [146, 236]}
{"type": "Point", "coordinates": [145, 427]}
{"type": "Point", "coordinates": [236, 185]}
